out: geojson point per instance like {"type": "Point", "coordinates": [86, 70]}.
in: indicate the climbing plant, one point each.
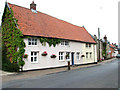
{"type": "Point", "coordinates": [50, 41]}
{"type": "Point", "coordinates": [12, 38]}
{"type": "Point", "coordinates": [104, 49]}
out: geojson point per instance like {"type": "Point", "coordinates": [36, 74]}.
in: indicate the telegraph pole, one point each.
{"type": "Point", "coordinates": [99, 43]}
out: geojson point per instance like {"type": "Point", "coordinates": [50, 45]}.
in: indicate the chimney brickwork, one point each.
{"type": "Point", "coordinates": [33, 6]}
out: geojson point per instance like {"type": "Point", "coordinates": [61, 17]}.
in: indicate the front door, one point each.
{"type": "Point", "coordinates": [72, 56]}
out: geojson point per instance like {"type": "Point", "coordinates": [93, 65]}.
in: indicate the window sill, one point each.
{"type": "Point", "coordinates": [34, 62]}
{"type": "Point", "coordinates": [61, 60]}
{"type": "Point", "coordinates": [65, 45]}
{"type": "Point", "coordinates": [32, 45]}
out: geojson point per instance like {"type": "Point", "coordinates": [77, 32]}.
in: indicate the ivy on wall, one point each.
{"type": "Point", "coordinates": [50, 41]}
{"type": "Point", "coordinates": [12, 38]}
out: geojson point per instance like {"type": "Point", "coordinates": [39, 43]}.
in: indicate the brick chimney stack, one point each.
{"type": "Point", "coordinates": [105, 38]}
{"type": "Point", "coordinates": [33, 5]}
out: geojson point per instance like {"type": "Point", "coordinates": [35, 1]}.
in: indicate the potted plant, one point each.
{"type": "Point", "coordinates": [66, 56]}
{"type": "Point", "coordinates": [44, 53]}
{"type": "Point", "coordinates": [25, 56]}
{"type": "Point", "coordinates": [53, 56]}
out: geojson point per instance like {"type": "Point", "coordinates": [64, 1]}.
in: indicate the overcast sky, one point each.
{"type": "Point", "coordinates": [88, 13]}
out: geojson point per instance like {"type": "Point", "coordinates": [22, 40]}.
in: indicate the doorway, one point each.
{"type": "Point", "coordinates": [72, 57]}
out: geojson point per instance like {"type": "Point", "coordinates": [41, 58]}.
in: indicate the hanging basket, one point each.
{"type": "Point", "coordinates": [53, 56]}
{"type": "Point", "coordinates": [66, 56]}
{"type": "Point", "coordinates": [44, 53]}
{"type": "Point", "coordinates": [25, 56]}
{"type": "Point", "coordinates": [82, 55]}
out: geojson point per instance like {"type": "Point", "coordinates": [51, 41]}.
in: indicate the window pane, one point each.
{"type": "Point", "coordinates": [29, 43]}
{"type": "Point", "coordinates": [66, 43]}
{"type": "Point", "coordinates": [77, 56]}
{"type": "Point", "coordinates": [35, 58]}
{"type": "Point", "coordinates": [29, 39]}
{"type": "Point", "coordinates": [31, 59]}
{"type": "Point", "coordinates": [62, 42]}
{"type": "Point", "coordinates": [33, 39]}
{"type": "Point", "coordinates": [31, 53]}
{"type": "Point", "coordinates": [90, 55]}
{"type": "Point", "coordinates": [32, 42]}
{"type": "Point", "coordinates": [61, 57]}
{"type": "Point", "coordinates": [89, 45]}
{"type": "Point", "coordinates": [87, 55]}
{"type": "Point", "coordinates": [36, 40]}
{"type": "Point", "coordinates": [35, 53]}
{"type": "Point", "coordinates": [35, 43]}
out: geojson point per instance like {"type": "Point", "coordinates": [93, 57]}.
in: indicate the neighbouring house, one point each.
{"type": "Point", "coordinates": [113, 50]}
{"type": "Point", "coordinates": [76, 45]}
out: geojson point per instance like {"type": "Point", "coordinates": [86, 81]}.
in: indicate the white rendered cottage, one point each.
{"type": "Point", "coordinates": [75, 41]}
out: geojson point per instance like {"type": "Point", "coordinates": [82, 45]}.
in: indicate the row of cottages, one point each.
{"type": "Point", "coordinates": [111, 49]}
{"type": "Point", "coordinates": [76, 42]}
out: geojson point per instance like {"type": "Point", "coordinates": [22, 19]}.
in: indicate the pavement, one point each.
{"type": "Point", "coordinates": [47, 71]}
{"type": "Point", "coordinates": [8, 76]}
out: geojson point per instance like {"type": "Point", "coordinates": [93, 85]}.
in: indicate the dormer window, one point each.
{"type": "Point", "coordinates": [32, 41]}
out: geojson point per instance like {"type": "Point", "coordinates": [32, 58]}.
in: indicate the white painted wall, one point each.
{"type": "Point", "coordinates": [47, 62]}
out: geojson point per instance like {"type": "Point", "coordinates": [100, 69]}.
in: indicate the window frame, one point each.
{"type": "Point", "coordinates": [64, 43]}
{"type": "Point", "coordinates": [61, 56]}
{"type": "Point", "coordinates": [35, 41]}
{"type": "Point", "coordinates": [86, 55]}
{"type": "Point", "coordinates": [87, 44]}
{"type": "Point", "coordinates": [77, 55]}
{"type": "Point", "coordinates": [37, 54]}
{"type": "Point", "coordinates": [90, 55]}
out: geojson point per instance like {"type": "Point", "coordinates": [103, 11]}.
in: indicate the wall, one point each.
{"type": "Point", "coordinates": [107, 51]}
{"type": "Point", "coordinates": [47, 62]}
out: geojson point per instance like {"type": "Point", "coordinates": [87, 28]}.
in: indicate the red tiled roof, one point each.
{"type": "Point", "coordinates": [40, 24]}
{"type": "Point", "coordinates": [111, 45]}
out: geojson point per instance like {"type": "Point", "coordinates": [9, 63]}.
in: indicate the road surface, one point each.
{"type": "Point", "coordinates": [100, 76]}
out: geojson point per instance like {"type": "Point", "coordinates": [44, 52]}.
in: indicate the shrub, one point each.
{"type": "Point", "coordinates": [10, 67]}
{"type": "Point", "coordinates": [21, 63]}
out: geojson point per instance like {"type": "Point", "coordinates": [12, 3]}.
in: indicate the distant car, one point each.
{"type": "Point", "coordinates": [118, 56]}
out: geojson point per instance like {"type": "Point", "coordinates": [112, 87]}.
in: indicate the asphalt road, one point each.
{"type": "Point", "coordinates": [101, 76]}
